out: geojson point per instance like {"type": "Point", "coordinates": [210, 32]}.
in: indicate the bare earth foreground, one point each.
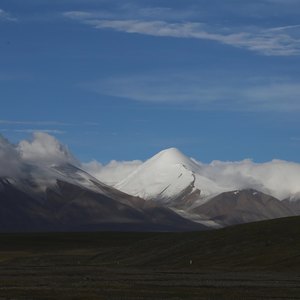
{"type": "Point", "coordinates": [252, 261]}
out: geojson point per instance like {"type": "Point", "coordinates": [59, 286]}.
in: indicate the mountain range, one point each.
{"type": "Point", "coordinates": [176, 181]}
{"type": "Point", "coordinates": [168, 192]}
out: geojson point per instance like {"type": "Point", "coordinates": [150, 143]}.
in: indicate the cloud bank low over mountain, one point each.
{"type": "Point", "coordinates": [45, 149]}
{"type": "Point", "coordinates": [42, 150]}
{"type": "Point", "coordinates": [113, 172]}
{"type": "Point", "coordinates": [279, 178]}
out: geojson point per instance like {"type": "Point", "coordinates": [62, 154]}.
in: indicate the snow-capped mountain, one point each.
{"type": "Point", "coordinates": [173, 180]}
{"type": "Point", "coordinates": [170, 174]}
{"type": "Point", "coordinates": [169, 177]}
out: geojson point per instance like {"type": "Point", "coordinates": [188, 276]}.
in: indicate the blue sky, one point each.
{"type": "Point", "coordinates": [125, 79]}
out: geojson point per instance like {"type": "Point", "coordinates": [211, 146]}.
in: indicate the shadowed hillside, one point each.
{"type": "Point", "coordinates": [247, 261]}
{"type": "Point", "coordinates": [270, 245]}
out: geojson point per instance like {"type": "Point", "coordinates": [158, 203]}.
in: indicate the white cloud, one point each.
{"type": "Point", "coordinates": [32, 159]}
{"type": "Point", "coordinates": [277, 177]}
{"type": "Point", "coordinates": [44, 149]}
{"type": "Point", "coordinates": [113, 172]}
{"type": "Point", "coordinates": [5, 16]}
{"type": "Point", "coordinates": [266, 41]}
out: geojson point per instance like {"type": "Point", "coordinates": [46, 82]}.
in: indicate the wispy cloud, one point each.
{"type": "Point", "coordinates": [205, 91]}
{"type": "Point", "coordinates": [5, 16]}
{"type": "Point", "coordinates": [50, 131]}
{"type": "Point", "coordinates": [15, 122]}
{"type": "Point", "coordinates": [36, 126]}
{"type": "Point", "coordinates": [282, 41]}
{"type": "Point", "coordinates": [129, 11]}
{"type": "Point", "coordinates": [285, 2]}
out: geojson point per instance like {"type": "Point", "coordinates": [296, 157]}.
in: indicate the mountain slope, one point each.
{"type": "Point", "coordinates": [243, 206]}
{"type": "Point", "coordinates": [170, 178]}
{"type": "Point", "coordinates": [293, 204]}
{"type": "Point", "coordinates": [72, 200]}
{"type": "Point", "coordinates": [77, 209]}
{"type": "Point", "coordinates": [19, 211]}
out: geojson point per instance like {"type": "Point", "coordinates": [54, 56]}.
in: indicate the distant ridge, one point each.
{"type": "Point", "coordinates": [244, 206]}
{"type": "Point", "coordinates": [73, 200]}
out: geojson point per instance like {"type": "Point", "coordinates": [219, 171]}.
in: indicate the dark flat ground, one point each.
{"type": "Point", "coordinates": [252, 261]}
{"type": "Point", "coordinates": [93, 282]}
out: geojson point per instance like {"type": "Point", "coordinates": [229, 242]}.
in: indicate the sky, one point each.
{"type": "Point", "coordinates": [122, 80]}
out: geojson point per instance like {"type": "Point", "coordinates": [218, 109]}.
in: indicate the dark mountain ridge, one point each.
{"type": "Point", "coordinates": [74, 205]}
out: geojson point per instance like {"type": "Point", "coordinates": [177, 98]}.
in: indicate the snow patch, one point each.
{"type": "Point", "coordinates": [197, 219]}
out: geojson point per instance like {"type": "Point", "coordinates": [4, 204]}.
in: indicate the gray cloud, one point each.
{"type": "Point", "coordinates": [10, 159]}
